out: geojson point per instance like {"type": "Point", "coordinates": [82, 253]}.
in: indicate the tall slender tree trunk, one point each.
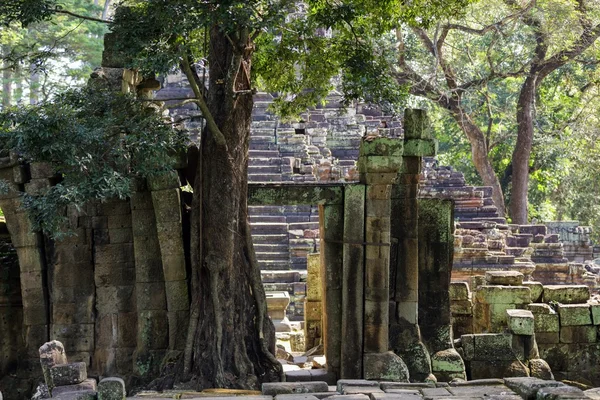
{"type": "Point", "coordinates": [34, 85]}
{"type": "Point", "coordinates": [522, 151]}
{"type": "Point", "coordinates": [479, 153]}
{"type": "Point", "coordinates": [233, 343]}
{"type": "Point", "coordinates": [6, 81]}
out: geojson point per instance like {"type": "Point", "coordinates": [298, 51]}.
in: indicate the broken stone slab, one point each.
{"type": "Point", "coordinates": [528, 388]}
{"type": "Point", "coordinates": [342, 383]}
{"type": "Point", "coordinates": [574, 314]}
{"type": "Point", "coordinates": [540, 308]}
{"type": "Point", "coordinates": [537, 290]}
{"type": "Point", "coordinates": [566, 294]}
{"type": "Point", "coordinates": [295, 397]}
{"type": "Point", "coordinates": [85, 386]}
{"type": "Point", "coordinates": [447, 361]}
{"type": "Point", "coordinates": [322, 395]}
{"type": "Point", "coordinates": [562, 392]}
{"type": "Point", "coordinates": [520, 322]}
{"type": "Point", "coordinates": [509, 278]}
{"type": "Point", "coordinates": [85, 395]}
{"type": "Point", "coordinates": [111, 389]}
{"type": "Point", "coordinates": [406, 385]}
{"type": "Point", "coordinates": [275, 388]}
{"type": "Point", "coordinates": [480, 391]}
{"type": "Point", "coordinates": [435, 392]}
{"type": "Point", "coordinates": [395, 396]}
{"type": "Point", "coordinates": [68, 374]}
{"type": "Point", "coordinates": [51, 354]}
{"type": "Point", "coordinates": [478, 382]}
{"type": "Point", "coordinates": [361, 390]}
{"type": "Point", "coordinates": [503, 295]}
{"type": "Point", "coordinates": [348, 397]}
{"type": "Point", "coordinates": [324, 375]}
{"type": "Point", "coordinates": [404, 391]}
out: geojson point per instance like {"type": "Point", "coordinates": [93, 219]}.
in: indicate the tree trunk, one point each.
{"type": "Point", "coordinates": [479, 154]}
{"type": "Point", "coordinates": [6, 81]}
{"type": "Point", "coordinates": [234, 339]}
{"type": "Point", "coordinates": [522, 152]}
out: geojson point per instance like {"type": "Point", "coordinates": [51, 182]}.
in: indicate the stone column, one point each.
{"type": "Point", "coordinates": [151, 305]}
{"type": "Point", "coordinates": [378, 165]}
{"type": "Point", "coordinates": [331, 226]}
{"type": "Point", "coordinates": [313, 307]}
{"type": "Point", "coordinates": [436, 245]}
{"type": "Point", "coordinates": [405, 335]}
{"type": "Point", "coordinates": [352, 276]}
{"type": "Point", "coordinates": [167, 213]}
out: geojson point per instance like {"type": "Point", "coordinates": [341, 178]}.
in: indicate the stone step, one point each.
{"type": "Point", "coordinates": [264, 177]}
{"type": "Point", "coordinates": [264, 169]}
{"type": "Point", "coordinates": [269, 228]}
{"type": "Point", "coordinates": [261, 139]}
{"type": "Point", "coordinates": [263, 146]}
{"type": "Point", "coordinates": [263, 153]}
{"type": "Point", "coordinates": [265, 161]}
{"type": "Point", "coordinates": [274, 265]}
{"type": "Point", "coordinates": [271, 247]}
{"type": "Point", "coordinates": [272, 256]}
{"type": "Point", "coordinates": [267, 218]}
{"type": "Point", "coordinates": [304, 225]}
{"type": "Point", "coordinates": [274, 239]}
{"type": "Point", "coordinates": [262, 132]}
{"type": "Point", "coordinates": [290, 276]}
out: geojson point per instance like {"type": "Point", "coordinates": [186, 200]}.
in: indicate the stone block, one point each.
{"type": "Point", "coordinates": [127, 329]}
{"type": "Point", "coordinates": [546, 322]}
{"type": "Point", "coordinates": [37, 187]}
{"type": "Point", "coordinates": [277, 388]}
{"type": "Point", "coordinates": [342, 383]}
{"type": "Point", "coordinates": [30, 259]}
{"type": "Point", "coordinates": [520, 322]}
{"type": "Point", "coordinates": [382, 146]}
{"type": "Point", "coordinates": [120, 235]}
{"type": "Point", "coordinates": [468, 346]}
{"type": "Point", "coordinates": [578, 334]}
{"type": "Point", "coordinates": [503, 295]}
{"type": "Point", "coordinates": [295, 396]}
{"type": "Point", "coordinates": [461, 307]}
{"type": "Point", "coordinates": [540, 308]}
{"type": "Point", "coordinates": [110, 299]}
{"type": "Point", "coordinates": [537, 290]}
{"type": "Point", "coordinates": [111, 389]}
{"type": "Point", "coordinates": [379, 164]}
{"type": "Point", "coordinates": [115, 208]}
{"type": "Point", "coordinates": [368, 390]}
{"type": "Point", "coordinates": [313, 279]}
{"type": "Point", "coordinates": [595, 308]}
{"type": "Point", "coordinates": [151, 296]}
{"type": "Point", "coordinates": [493, 346]}
{"type": "Point", "coordinates": [459, 291]}
{"type": "Point", "coordinates": [114, 253]}
{"type": "Point", "coordinates": [495, 368]}
{"type": "Point", "coordinates": [167, 180]}
{"type": "Point", "coordinates": [68, 374]}
{"type": "Point", "coordinates": [122, 274]}
{"type": "Point", "coordinates": [313, 310]}
{"type": "Point", "coordinates": [420, 147]}
{"type": "Point", "coordinates": [153, 330]}
{"type": "Point", "coordinates": [177, 295]}
{"type": "Point", "coordinates": [85, 386]}
{"type": "Point", "coordinates": [528, 388]}
{"type": "Point", "coordinates": [167, 205]}
{"type": "Point", "coordinates": [178, 325]}
{"type": "Point", "coordinates": [41, 170]}
{"type": "Point", "coordinates": [173, 264]}
{"type": "Point", "coordinates": [447, 361]}
{"type": "Point", "coordinates": [51, 354]}
{"type": "Point", "coordinates": [83, 395]}
{"type": "Point", "coordinates": [384, 366]}
{"type": "Point", "coordinates": [79, 337]}
{"type": "Point", "coordinates": [547, 337]}
{"type": "Point", "coordinates": [566, 294]}
{"type": "Point", "coordinates": [574, 314]}
{"type": "Point", "coordinates": [509, 278]}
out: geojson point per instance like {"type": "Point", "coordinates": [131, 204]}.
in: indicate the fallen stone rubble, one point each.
{"type": "Point", "coordinates": [349, 389]}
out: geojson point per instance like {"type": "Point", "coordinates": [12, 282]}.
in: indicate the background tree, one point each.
{"type": "Point", "coordinates": [467, 66]}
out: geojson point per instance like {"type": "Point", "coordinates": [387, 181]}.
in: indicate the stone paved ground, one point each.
{"type": "Point", "coordinates": [485, 389]}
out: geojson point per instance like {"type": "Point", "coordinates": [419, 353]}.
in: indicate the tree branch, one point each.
{"type": "Point", "coordinates": [72, 14]}
{"type": "Point", "coordinates": [210, 121]}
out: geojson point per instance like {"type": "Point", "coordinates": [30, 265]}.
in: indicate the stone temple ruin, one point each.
{"type": "Point", "coordinates": [401, 270]}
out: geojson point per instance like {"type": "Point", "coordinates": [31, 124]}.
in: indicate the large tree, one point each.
{"type": "Point", "coordinates": [230, 338]}
{"type": "Point", "coordinates": [464, 64]}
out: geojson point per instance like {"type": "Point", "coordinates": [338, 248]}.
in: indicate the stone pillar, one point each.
{"type": "Point", "coordinates": [167, 213]}
{"type": "Point", "coordinates": [331, 226]}
{"type": "Point", "coordinates": [151, 304]}
{"type": "Point", "coordinates": [378, 164]}
{"type": "Point", "coordinates": [32, 263]}
{"type": "Point", "coordinates": [313, 307]}
{"type": "Point", "coordinates": [405, 335]}
{"type": "Point", "coordinates": [352, 276]}
{"type": "Point", "coordinates": [436, 246]}
{"type": "Point", "coordinates": [115, 288]}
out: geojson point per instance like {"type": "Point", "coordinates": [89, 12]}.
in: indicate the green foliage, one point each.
{"type": "Point", "coordinates": [26, 12]}
{"type": "Point", "coordinates": [97, 141]}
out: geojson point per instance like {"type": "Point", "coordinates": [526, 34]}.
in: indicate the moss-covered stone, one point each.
{"type": "Point", "coordinates": [382, 146]}
{"type": "Point", "coordinates": [447, 361]}
{"type": "Point", "coordinates": [574, 314]}
{"type": "Point", "coordinates": [546, 323]}
{"type": "Point", "coordinates": [566, 294]}
{"type": "Point", "coordinates": [537, 290]}
{"type": "Point", "coordinates": [459, 291]}
{"type": "Point", "coordinates": [503, 295]}
{"type": "Point", "coordinates": [420, 147]}
{"type": "Point", "coordinates": [520, 322]}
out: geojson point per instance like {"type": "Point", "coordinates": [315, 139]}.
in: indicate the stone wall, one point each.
{"type": "Point", "coordinates": [566, 320]}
